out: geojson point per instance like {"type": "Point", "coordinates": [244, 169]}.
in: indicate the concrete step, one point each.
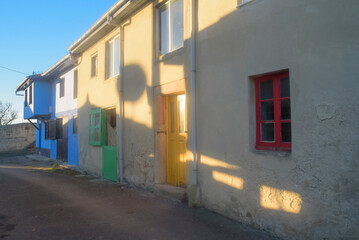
{"type": "Point", "coordinates": [171, 192]}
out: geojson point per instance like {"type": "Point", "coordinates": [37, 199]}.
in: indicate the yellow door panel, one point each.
{"type": "Point", "coordinates": [176, 140]}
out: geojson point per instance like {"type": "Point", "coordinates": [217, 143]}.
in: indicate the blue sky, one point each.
{"type": "Point", "coordinates": [35, 34]}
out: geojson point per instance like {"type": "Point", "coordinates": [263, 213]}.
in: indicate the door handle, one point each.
{"type": "Point", "coordinates": [165, 132]}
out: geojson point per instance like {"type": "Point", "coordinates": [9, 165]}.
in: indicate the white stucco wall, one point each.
{"type": "Point", "coordinates": [66, 105]}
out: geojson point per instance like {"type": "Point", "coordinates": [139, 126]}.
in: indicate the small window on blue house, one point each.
{"type": "Point", "coordinates": [62, 87]}
{"type": "Point", "coordinates": [50, 130]}
{"type": "Point", "coordinates": [97, 127]}
{"type": "Point", "coordinates": [30, 94]}
{"type": "Point", "coordinates": [25, 97]}
{"type": "Point", "coordinates": [74, 125]}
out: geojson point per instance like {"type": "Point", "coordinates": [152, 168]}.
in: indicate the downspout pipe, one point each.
{"type": "Point", "coordinates": [122, 105]}
{"type": "Point", "coordinates": [120, 80]}
{"type": "Point", "coordinates": [193, 92]}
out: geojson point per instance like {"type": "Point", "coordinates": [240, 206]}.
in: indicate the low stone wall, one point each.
{"type": "Point", "coordinates": [16, 137]}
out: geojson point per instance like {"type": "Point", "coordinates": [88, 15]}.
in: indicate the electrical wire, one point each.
{"type": "Point", "coordinates": [13, 70]}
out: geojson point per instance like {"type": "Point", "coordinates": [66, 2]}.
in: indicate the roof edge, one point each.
{"type": "Point", "coordinates": [98, 24]}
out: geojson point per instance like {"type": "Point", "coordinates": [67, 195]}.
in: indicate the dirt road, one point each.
{"type": "Point", "coordinates": [36, 203]}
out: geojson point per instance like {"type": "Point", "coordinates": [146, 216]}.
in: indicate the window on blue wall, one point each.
{"type": "Point", "coordinates": [25, 97]}
{"type": "Point", "coordinates": [62, 87]}
{"type": "Point", "coordinates": [30, 94]}
{"type": "Point", "coordinates": [50, 130]}
{"type": "Point", "coordinates": [74, 125]}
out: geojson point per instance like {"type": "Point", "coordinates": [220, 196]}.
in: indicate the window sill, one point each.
{"type": "Point", "coordinates": [273, 149]}
{"type": "Point", "coordinates": [272, 152]}
{"type": "Point", "coordinates": [169, 55]}
{"type": "Point", "coordinates": [243, 4]}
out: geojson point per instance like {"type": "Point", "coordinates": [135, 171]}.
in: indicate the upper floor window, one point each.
{"type": "Point", "coordinates": [62, 87]}
{"type": "Point", "coordinates": [113, 57]}
{"type": "Point", "coordinates": [94, 65]}
{"type": "Point", "coordinates": [75, 83]}
{"type": "Point", "coordinates": [30, 94]}
{"type": "Point", "coordinates": [273, 112]}
{"type": "Point", "coordinates": [171, 26]}
{"type": "Point", "coordinates": [25, 97]}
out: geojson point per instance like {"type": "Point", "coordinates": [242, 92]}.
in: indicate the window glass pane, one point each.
{"type": "Point", "coordinates": [74, 125]}
{"type": "Point", "coordinates": [286, 132]}
{"type": "Point", "coordinates": [164, 26]}
{"type": "Point", "coordinates": [177, 23]}
{"type": "Point", "coordinates": [285, 109]}
{"type": "Point", "coordinates": [94, 66]}
{"type": "Point", "coordinates": [284, 87]}
{"type": "Point", "coordinates": [267, 132]}
{"type": "Point", "coordinates": [116, 54]}
{"type": "Point", "coordinates": [267, 111]}
{"type": "Point", "coordinates": [97, 119]}
{"type": "Point", "coordinates": [110, 59]}
{"type": "Point", "coordinates": [92, 120]}
{"type": "Point", "coordinates": [30, 94]}
{"type": "Point", "coordinates": [92, 134]}
{"type": "Point", "coordinates": [266, 90]}
{"type": "Point", "coordinates": [97, 134]}
{"type": "Point", "coordinates": [62, 87]}
{"type": "Point", "coordinates": [181, 106]}
{"type": "Point", "coordinates": [25, 97]}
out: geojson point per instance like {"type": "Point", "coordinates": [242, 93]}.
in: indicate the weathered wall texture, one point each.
{"type": "Point", "coordinates": [312, 191]}
{"type": "Point", "coordinates": [142, 69]}
{"type": "Point", "coordinates": [16, 137]}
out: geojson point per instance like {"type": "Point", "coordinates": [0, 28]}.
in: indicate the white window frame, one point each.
{"type": "Point", "coordinates": [159, 31]}
{"type": "Point", "coordinates": [94, 65]}
{"type": "Point", "coordinates": [110, 63]}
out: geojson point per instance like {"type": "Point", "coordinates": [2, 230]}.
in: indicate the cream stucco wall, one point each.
{"type": "Point", "coordinates": [142, 70]}
{"type": "Point", "coordinates": [310, 192]}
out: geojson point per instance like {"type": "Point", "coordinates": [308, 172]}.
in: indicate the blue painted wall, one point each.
{"type": "Point", "coordinates": [41, 100]}
{"type": "Point", "coordinates": [73, 154]}
{"type": "Point", "coordinates": [45, 89]}
{"type": "Point", "coordinates": [45, 144]}
{"type": "Point", "coordinates": [47, 92]}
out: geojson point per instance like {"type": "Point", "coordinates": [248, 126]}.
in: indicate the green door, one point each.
{"type": "Point", "coordinates": [109, 163]}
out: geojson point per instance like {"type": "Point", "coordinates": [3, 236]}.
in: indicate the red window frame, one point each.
{"type": "Point", "coordinates": [277, 144]}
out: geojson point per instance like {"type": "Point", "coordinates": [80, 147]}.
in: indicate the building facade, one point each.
{"type": "Point", "coordinates": [51, 100]}
{"type": "Point", "coordinates": [249, 107]}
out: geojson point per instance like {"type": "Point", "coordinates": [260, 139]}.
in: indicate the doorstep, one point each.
{"type": "Point", "coordinates": [171, 192]}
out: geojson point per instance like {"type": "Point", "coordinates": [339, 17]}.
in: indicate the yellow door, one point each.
{"type": "Point", "coordinates": [176, 140]}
